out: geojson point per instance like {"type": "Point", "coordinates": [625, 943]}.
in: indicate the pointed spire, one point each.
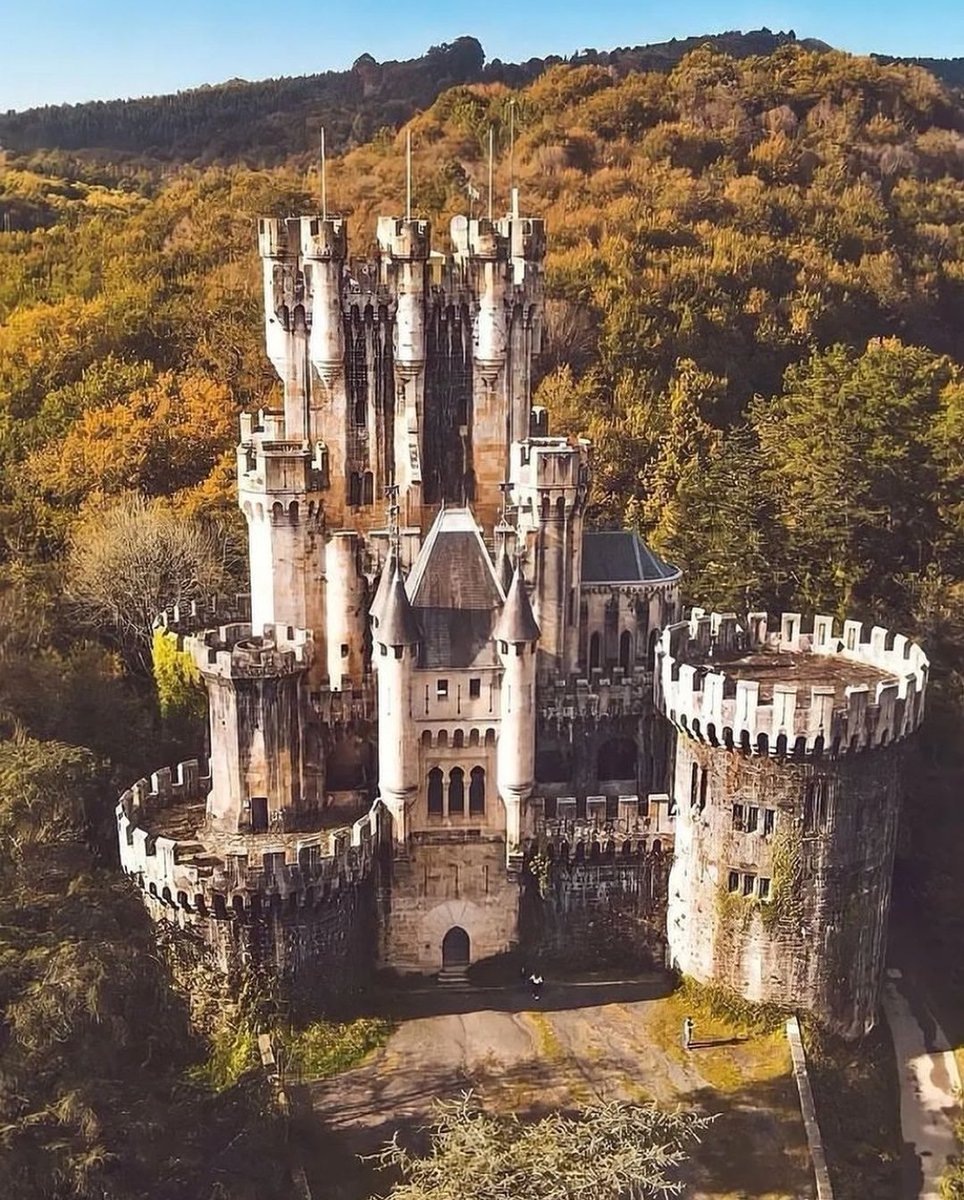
{"type": "Point", "coordinates": [380, 598]}
{"type": "Point", "coordinates": [516, 622]}
{"type": "Point", "coordinates": [397, 625]}
{"type": "Point", "coordinates": [503, 569]}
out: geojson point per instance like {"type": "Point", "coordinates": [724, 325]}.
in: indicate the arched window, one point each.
{"type": "Point", "coordinates": [458, 739]}
{"type": "Point", "coordinates": [477, 792]}
{"type": "Point", "coordinates": [435, 792]}
{"type": "Point", "coordinates": [368, 488]}
{"type": "Point", "coordinates": [625, 649]}
{"type": "Point", "coordinates": [651, 653]}
{"type": "Point", "coordinates": [594, 651]}
{"type": "Point", "coordinates": [354, 490]}
{"type": "Point", "coordinates": [456, 792]}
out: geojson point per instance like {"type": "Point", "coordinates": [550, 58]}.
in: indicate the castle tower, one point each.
{"type": "Point", "coordinates": [516, 636]}
{"type": "Point", "coordinates": [787, 787]}
{"type": "Point", "coordinates": [405, 246]}
{"type": "Point", "coordinates": [265, 769]}
{"type": "Point", "coordinates": [396, 640]}
{"type": "Point", "coordinates": [550, 483]}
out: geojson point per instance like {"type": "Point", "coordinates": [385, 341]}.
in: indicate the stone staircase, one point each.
{"type": "Point", "coordinates": [454, 978]}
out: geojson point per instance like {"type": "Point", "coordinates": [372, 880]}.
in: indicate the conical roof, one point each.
{"type": "Point", "coordinates": [517, 623]}
{"type": "Point", "coordinates": [384, 586]}
{"type": "Point", "coordinates": [503, 568]}
{"type": "Point", "coordinates": [397, 625]}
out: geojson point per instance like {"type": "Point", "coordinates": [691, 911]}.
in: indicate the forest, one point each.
{"type": "Point", "coordinates": [266, 123]}
{"type": "Point", "coordinates": [756, 312]}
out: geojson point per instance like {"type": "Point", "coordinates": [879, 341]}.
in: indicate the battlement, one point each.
{"type": "Point", "coordinates": [184, 619]}
{"type": "Point", "coordinates": [603, 695]}
{"type": "Point", "coordinates": [279, 237]}
{"type": "Point", "coordinates": [526, 236]}
{"type": "Point", "coordinates": [324, 238]}
{"type": "Point", "coordinates": [409, 239]}
{"type": "Point", "coordinates": [179, 872]}
{"type": "Point", "coordinates": [789, 691]}
{"type": "Point", "coordinates": [235, 651]}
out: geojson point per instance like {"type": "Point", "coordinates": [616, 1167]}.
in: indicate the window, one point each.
{"type": "Point", "coordinates": [475, 689]}
{"type": "Point", "coordinates": [456, 792]}
{"type": "Point", "coordinates": [477, 792]}
{"type": "Point", "coordinates": [769, 821]}
{"type": "Point", "coordinates": [815, 807]}
{"type": "Point", "coordinates": [694, 784]}
{"type": "Point", "coordinates": [738, 816]}
{"type": "Point", "coordinates": [702, 789]}
{"type": "Point", "coordinates": [733, 883]}
{"type": "Point", "coordinates": [259, 814]}
{"type": "Point", "coordinates": [748, 884]}
{"type": "Point", "coordinates": [752, 819]}
{"type": "Point", "coordinates": [435, 792]}
{"type": "Point", "coordinates": [274, 865]}
{"type": "Point", "coordinates": [441, 689]}
{"type": "Point", "coordinates": [309, 857]}
{"type": "Point", "coordinates": [763, 888]}
{"type": "Point", "coordinates": [344, 649]}
{"type": "Point", "coordinates": [594, 652]}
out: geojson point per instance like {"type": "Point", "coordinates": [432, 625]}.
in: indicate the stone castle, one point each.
{"type": "Point", "coordinates": [450, 720]}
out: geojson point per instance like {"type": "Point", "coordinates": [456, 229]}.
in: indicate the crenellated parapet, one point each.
{"type": "Point", "coordinates": [824, 688]}
{"type": "Point", "coordinates": [186, 875]}
{"type": "Point", "coordinates": [603, 695]}
{"type": "Point", "coordinates": [236, 652]}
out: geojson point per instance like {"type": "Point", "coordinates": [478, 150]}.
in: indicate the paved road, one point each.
{"type": "Point", "coordinates": [585, 1042]}
{"type": "Point", "coordinates": [930, 1087]}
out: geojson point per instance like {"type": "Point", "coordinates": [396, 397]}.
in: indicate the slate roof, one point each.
{"type": "Point", "coordinates": [455, 593]}
{"type": "Point", "coordinates": [398, 625]}
{"type": "Point", "coordinates": [620, 556]}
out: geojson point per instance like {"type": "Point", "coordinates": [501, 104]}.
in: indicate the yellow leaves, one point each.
{"type": "Point", "coordinates": [163, 438]}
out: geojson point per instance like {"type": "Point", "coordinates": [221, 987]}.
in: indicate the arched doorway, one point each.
{"type": "Point", "coordinates": [455, 948]}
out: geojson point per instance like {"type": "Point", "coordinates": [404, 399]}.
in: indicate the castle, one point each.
{"type": "Point", "coordinates": [451, 718]}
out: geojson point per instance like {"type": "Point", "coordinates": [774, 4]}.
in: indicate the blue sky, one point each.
{"type": "Point", "coordinates": [69, 50]}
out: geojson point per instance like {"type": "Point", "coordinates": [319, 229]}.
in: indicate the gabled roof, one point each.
{"type": "Point", "coordinates": [455, 593]}
{"type": "Point", "coordinates": [620, 556]}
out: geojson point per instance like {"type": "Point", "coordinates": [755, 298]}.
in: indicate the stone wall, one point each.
{"type": "Point", "coordinates": [607, 912]}
{"type": "Point", "coordinates": [445, 880]}
{"type": "Point", "coordinates": [780, 887]}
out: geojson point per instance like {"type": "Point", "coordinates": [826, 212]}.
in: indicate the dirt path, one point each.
{"type": "Point", "coordinates": [585, 1042]}
{"type": "Point", "coordinates": [930, 1087]}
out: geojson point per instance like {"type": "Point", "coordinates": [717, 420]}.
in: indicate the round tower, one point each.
{"type": "Point", "coordinates": [396, 646]}
{"type": "Point", "coordinates": [324, 249]}
{"type": "Point", "coordinates": [345, 606]}
{"type": "Point", "coordinates": [787, 790]}
{"type": "Point", "coordinates": [516, 636]}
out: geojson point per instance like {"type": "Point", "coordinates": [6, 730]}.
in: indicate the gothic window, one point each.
{"type": "Point", "coordinates": [769, 821]}
{"type": "Point", "coordinates": [625, 649]}
{"type": "Point", "coordinates": [456, 792]}
{"type": "Point", "coordinates": [694, 784]}
{"type": "Point", "coordinates": [752, 819]}
{"type": "Point", "coordinates": [435, 792]}
{"type": "Point", "coordinates": [368, 488]}
{"type": "Point", "coordinates": [594, 652]}
{"type": "Point", "coordinates": [477, 792]}
{"type": "Point", "coordinates": [354, 490]}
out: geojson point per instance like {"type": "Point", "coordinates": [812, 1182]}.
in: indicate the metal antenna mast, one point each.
{"type": "Point", "coordinates": [324, 177]}
{"type": "Point", "coordinates": [491, 166]}
{"type": "Point", "coordinates": [408, 175]}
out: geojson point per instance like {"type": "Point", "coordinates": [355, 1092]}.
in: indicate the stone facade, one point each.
{"type": "Point", "coordinates": [451, 718]}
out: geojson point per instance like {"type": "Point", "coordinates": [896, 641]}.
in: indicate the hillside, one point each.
{"type": "Point", "coordinates": [267, 122]}
{"type": "Point", "coordinates": [756, 311]}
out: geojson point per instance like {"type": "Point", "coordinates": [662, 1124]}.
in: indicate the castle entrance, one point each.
{"type": "Point", "coordinates": [455, 948]}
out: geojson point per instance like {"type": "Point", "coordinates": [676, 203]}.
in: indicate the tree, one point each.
{"type": "Point", "coordinates": [133, 559]}
{"type": "Point", "coordinates": [611, 1151]}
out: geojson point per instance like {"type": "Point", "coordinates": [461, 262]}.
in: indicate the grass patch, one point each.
{"type": "Point", "coordinates": [856, 1091]}
{"type": "Point", "coordinates": [324, 1048]}
{"type": "Point", "coordinates": [549, 1045]}
{"type": "Point", "coordinates": [233, 1052]}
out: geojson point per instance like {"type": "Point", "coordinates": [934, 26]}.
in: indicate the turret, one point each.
{"type": "Point", "coordinates": [405, 245]}
{"type": "Point", "coordinates": [396, 646]}
{"type": "Point", "coordinates": [487, 249]}
{"type": "Point", "coordinates": [324, 250]}
{"type": "Point", "coordinates": [516, 635]}
{"type": "Point", "coordinates": [345, 608]}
